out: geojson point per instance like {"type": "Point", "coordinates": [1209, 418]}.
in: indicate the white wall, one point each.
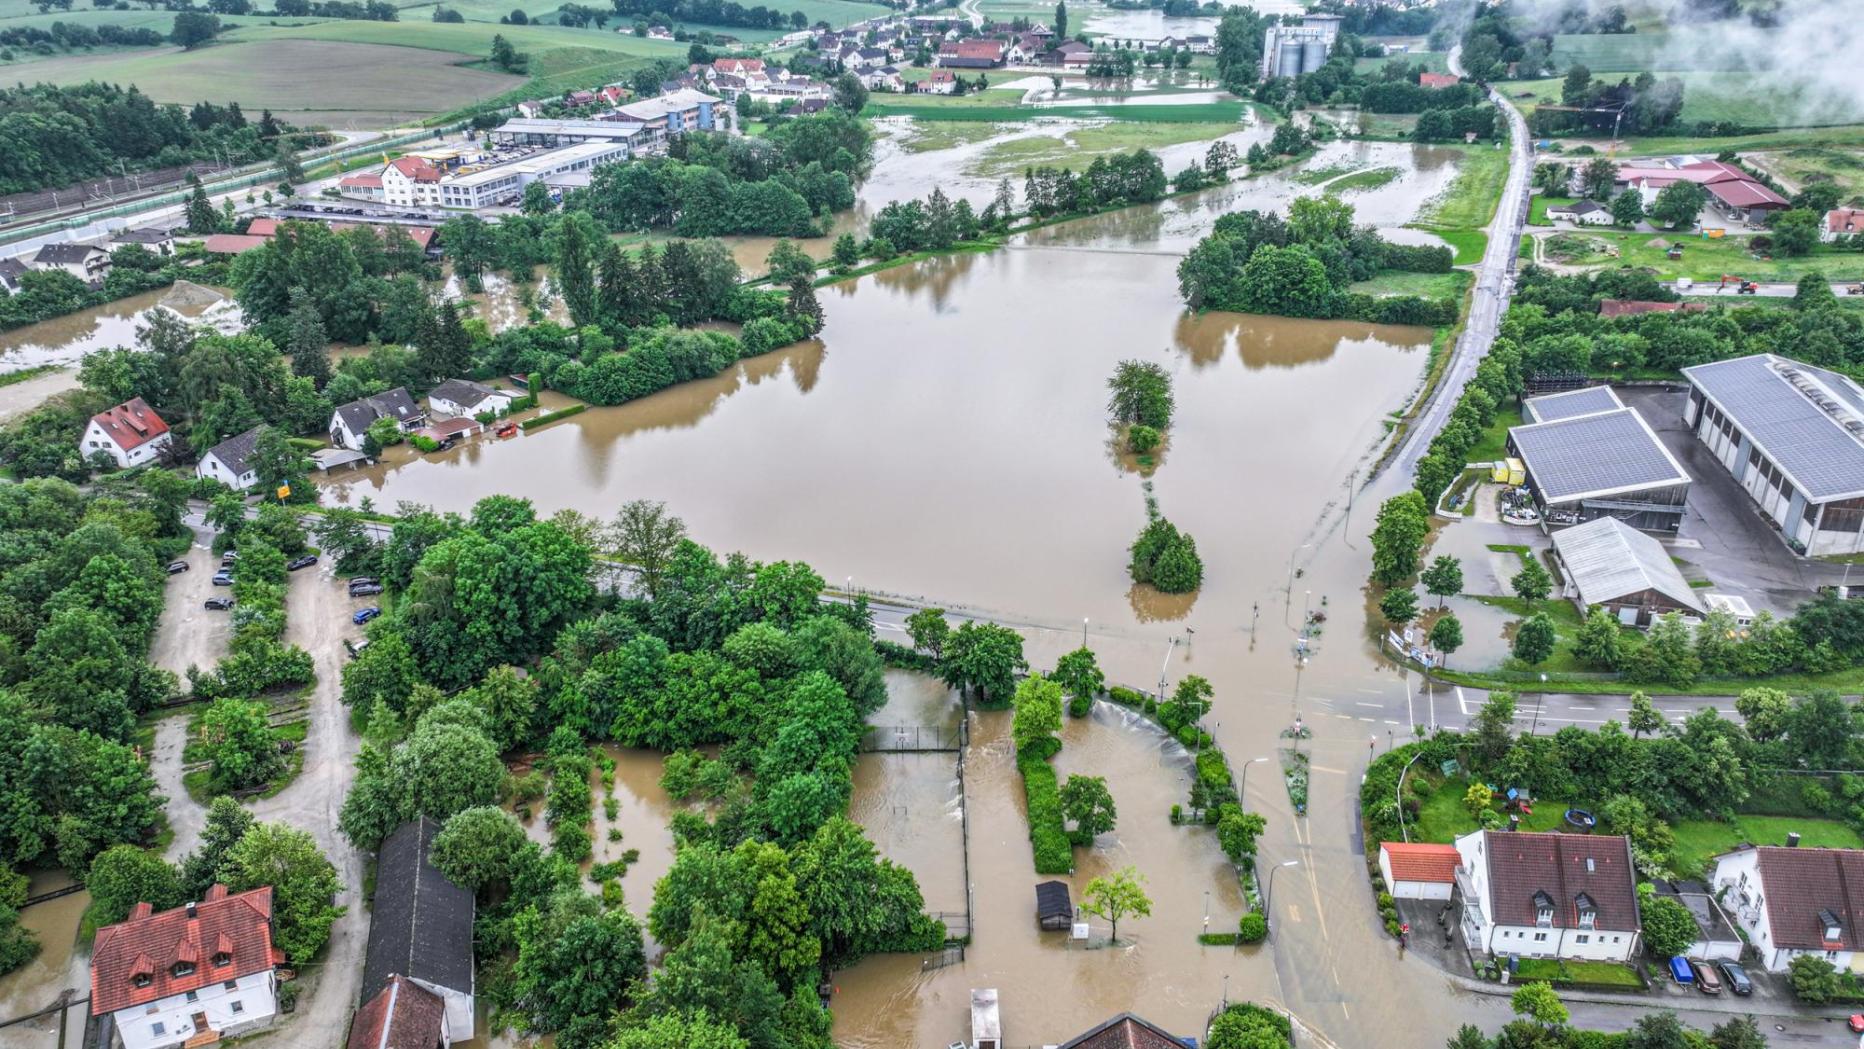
{"type": "Point", "coordinates": [1411, 890]}
{"type": "Point", "coordinates": [253, 996]}
{"type": "Point", "coordinates": [96, 440]}
{"type": "Point", "coordinates": [213, 469]}
{"type": "Point", "coordinates": [459, 1010]}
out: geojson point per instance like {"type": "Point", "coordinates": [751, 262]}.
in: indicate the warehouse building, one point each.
{"type": "Point", "coordinates": [545, 132]}
{"type": "Point", "coordinates": [1793, 437]}
{"type": "Point", "coordinates": [505, 183]}
{"type": "Point", "coordinates": [1588, 456]}
{"type": "Point", "coordinates": [1608, 565]}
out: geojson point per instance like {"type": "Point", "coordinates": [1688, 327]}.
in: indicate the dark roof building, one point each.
{"type": "Point", "coordinates": [1572, 873]}
{"type": "Point", "coordinates": [420, 926]}
{"type": "Point", "coordinates": [1553, 407]}
{"type": "Point", "coordinates": [231, 461]}
{"type": "Point", "coordinates": [1792, 435]}
{"type": "Point", "coordinates": [1795, 901]}
{"type": "Point", "coordinates": [402, 1015]}
{"type": "Point", "coordinates": [10, 272]}
{"type": "Point", "coordinates": [1606, 463]}
{"type": "Point", "coordinates": [351, 421]}
{"type": "Point", "coordinates": [1054, 908]}
{"type": "Point", "coordinates": [1124, 1031]}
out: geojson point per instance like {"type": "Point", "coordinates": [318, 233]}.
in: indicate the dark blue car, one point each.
{"type": "Point", "coordinates": [363, 615]}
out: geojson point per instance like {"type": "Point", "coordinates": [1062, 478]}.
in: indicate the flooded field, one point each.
{"type": "Point", "coordinates": [58, 967]}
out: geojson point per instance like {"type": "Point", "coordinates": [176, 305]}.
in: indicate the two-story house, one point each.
{"type": "Point", "coordinates": [463, 397]}
{"type": "Point", "coordinates": [1548, 895]}
{"type": "Point", "coordinates": [189, 976]}
{"type": "Point", "coordinates": [350, 422]}
{"type": "Point", "coordinates": [130, 434]}
{"type": "Point", "coordinates": [410, 182]}
{"type": "Point", "coordinates": [1794, 901]}
{"type": "Point", "coordinates": [231, 461]}
{"type": "Point", "coordinates": [87, 262]}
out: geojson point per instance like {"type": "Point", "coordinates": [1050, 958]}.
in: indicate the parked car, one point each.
{"type": "Point", "coordinates": [223, 578]}
{"type": "Point", "coordinates": [363, 580]}
{"type": "Point", "coordinates": [363, 615]}
{"type": "Point", "coordinates": [300, 562]}
{"type": "Point", "coordinates": [1708, 981]}
{"type": "Point", "coordinates": [1856, 1023]}
{"type": "Point", "coordinates": [229, 558]}
{"type": "Point", "coordinates": [1738, 981]}
{"type": "Point", "coordinates": [355, 646]}
{"type": "Point", "coordinates": [219, 604]}
{"type": "Point", "coordinates": [365, 590]}
{"type": "Point", "coordinates": [177, 567]}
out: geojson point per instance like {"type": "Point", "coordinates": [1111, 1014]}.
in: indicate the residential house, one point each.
{"type": "Point", "coordinates": [11, 270]}
{"type": "Point", "coordinates": [1435, 81]}
{"type": "Point", "coordinates": [458, 397]}
{"type": "Point", "coordinates": [232, 243]}
{"type": "Point", "coordinates": [941, 82]}
{"type": "Point", "coordinates": [1583, 212]}
{"type": "Point", "coordinates": [1125, 1031]}
{"type": "Point", "coordinates": [188, 976]}
{"type": "Point", "coordinates": [364, 185]}
{"type": "Point", "coordinates": [231, 461]}
{"type": "Point", "coordinates": [130, 434]}
{"type": "Point", "coordinates": [1842, 222]}
{"type": "Point", "coordinates": [87, 262]}
{"type": "Point", "coordinates": [402, 1015]}
{"type": "Point", "coordinates": [410, 182]}
{"type": "Point", "coordinates": [351, 421]}
{"type": "Point", "coordinates": [420, 927]}
{"type": "Point", "coordinates": [1201, 45]}
{"type": "Point", "coordinates": [1073, 54]}
{"type": "Point", "coordinates": [1025, 49]}
{"type": "Point", "coordinates": [1418, 870]}
{"type": "Point", "coordinates": [868, 58]}
{"type": "Point", "coordinates": [1793, 901]}
{"type": "Point", "coordinates": [739, 66]}
{"type": "Point", "coordinates": [886, 78]}
{"type": "Point", "coordinates": [579, 99]}
{"type": "Point", "coordinates": [972, 54]}
{"type": "Point", "coordinates": [158, 240]}
{"type": "Point", "coordinates": [1537, 895]}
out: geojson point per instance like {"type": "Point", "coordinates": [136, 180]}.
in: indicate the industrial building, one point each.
{"type": "Point", "coordinates": [545, 132]}
{"type": "Point", "coordinates": [505, 183]}
{"type": "Point", "coordinates": [1290, 50]}
{"type": "Point", "coordinates": [1589, 456]}
{"type": "Point", "coordinates": [1793, 437]}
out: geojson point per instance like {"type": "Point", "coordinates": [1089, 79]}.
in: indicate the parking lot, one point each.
{"type": "Point", "coordinates": [187, 634]}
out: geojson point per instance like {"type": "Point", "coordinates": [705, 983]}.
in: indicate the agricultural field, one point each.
{"type": "Point", "coordinates": [1636, 52]}
{"type": "Point", "coordinates": [1703, 259]}
{"type": "Point", "coordinates": [1469, 202]}
{"type": "Point", "coordinates": [360, 85]}
{"type": "Point", "coordinates": [1802, 166]}
{"type": "Point", "coordinates": [1449, 285]}
{"type": "Point", "coordinates": [1076, 148]}
{"type": "Point", "coordinates": [1727, 97]}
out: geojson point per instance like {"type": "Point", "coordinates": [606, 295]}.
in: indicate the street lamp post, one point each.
{"type": "Point", "coordinates": [1403, 832]}
{"type": "Point", "coordinates": [1269, 893]}
{"type": "Point", "coordinates": [1242, 790]}
{"type": "Point", "coordinates": [1083, 631]}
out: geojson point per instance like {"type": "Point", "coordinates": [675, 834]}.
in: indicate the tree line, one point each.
{"type": "Point", "coordinates": [709, 12]}
{"type": "Point", "coordinates": [54, 136]}
{"type": "Point", "coordinates": [73, 36]}
{"type": "Point", "coordinates": [771, 887]}
{"type": "Point", "coordinates": [1256, 262]}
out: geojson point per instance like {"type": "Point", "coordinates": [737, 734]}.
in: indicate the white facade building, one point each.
{"type": "Point", "coordinates": [130, 434]}
{"type": "Point", "coordinates": [1548, 895]}
{"type": "Point", "coordinates": [192, 975]}
{"type": "Point", "coordinates": [1794, 901]}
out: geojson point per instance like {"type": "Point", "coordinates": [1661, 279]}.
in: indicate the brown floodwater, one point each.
{"type": "Point", "coordinates": [58, 967]}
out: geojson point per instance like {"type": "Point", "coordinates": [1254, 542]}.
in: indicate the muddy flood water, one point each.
{"type": "Point", "coordinates": [946, 436]}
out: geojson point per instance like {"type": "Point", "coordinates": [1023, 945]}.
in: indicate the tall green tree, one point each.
{"type": "Point", "coordinates": [1600, 642]}
{"type": "Point", "coordinates": [929, 630]}
{"type": "Point", "coordinates": [1088, 804]}
{"type": "Point", "coordinates": [1446, 635]}
{"type": "Point", "coordinates": [304, 885]}
{"type": "Point", "coordinates": [1079, 674]}
{"type": "Point", "coordinates": [1398, 606]}
{"type": "Point", "coordinates": [1403, 523]}
{"type": "Point", "coordinates": [1037, 717]}
{"type": "Point", "coordinates": [645, 535]}
{"type": "Point", "coordinates": [1534, 639]}
{"type": "Point", "coordinates": [123, 876]}
{"type": "Point", "coordinates": [1531, 583]}
{"type": "Point", "coordinates": [576, 256]}
{"type": "Point", "coordinates": [1140, 392]}
{"type": "Point", "coordinates": [1114, 896]}
{"type": "Point", "coordinates": [1444, 578]}
{"type": "Point", "coordinates": [983, 658]}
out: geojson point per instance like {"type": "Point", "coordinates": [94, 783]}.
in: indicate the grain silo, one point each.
{"type": "Point", "coordinates": [1313, 56]}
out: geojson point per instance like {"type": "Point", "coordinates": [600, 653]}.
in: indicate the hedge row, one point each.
{"type": "Point", "coordinates": [550, 417]}
{"type": "Point", "coordinates": [1047, 832]}
{"type": "Point", "coordinates": [904, 657]}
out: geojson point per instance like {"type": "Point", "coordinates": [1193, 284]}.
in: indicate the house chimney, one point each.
{"type": "Point", "coordinates": [193, 912]}
{"type": "Point", "coordinates": [1792, 839]}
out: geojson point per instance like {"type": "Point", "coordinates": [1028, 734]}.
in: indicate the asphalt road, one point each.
{"type": "Point", "coordinates": [1494, 283]}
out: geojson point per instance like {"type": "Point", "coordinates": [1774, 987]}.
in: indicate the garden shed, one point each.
{"type": "Point", "coordinates": [1054, 908]}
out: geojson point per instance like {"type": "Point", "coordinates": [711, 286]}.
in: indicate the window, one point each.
{"type": "Point", "coordinates": [222, 959]}
{"type": "Point", "coordinates": [237, 1007]}
{"type": "Point", "coordinates": [1582, 938]}
{"type": "Point", "coordinates": [1540, 937]}
{"type": "Point", "coordinates": [193, 996]}
{"type": "Point", "coordinates": [142, 979]}
{"type": "Point", "coordinates": [231, 985]}
{"type": "Point", "coordinates": [1544, 916]}
{"type": "Point", "coordinates": [157, 1029]}
{"type": "Point", "coordinates": [181, 969]}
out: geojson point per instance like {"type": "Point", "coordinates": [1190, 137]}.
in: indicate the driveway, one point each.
{"type": "Point", "coordinates": [187, 634]}
{"type": "Point", "coordinates": [317, 610]}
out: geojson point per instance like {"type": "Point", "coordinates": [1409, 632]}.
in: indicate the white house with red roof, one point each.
{"type": "Point", "coordinates": [1842, 222]}
{"type": "Point", "coordinates": [1417, 870]}
{"type": "Point", "coordinates": [130, 434]}
{"type": "Point", "coordinates": [364, 185]}
{"type": "Point", "coordinates": [190, 976]}
{"type": "Point", "coordinates": [410, 181]}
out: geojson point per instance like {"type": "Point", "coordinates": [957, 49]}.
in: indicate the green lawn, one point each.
{"type": "Point", "coordinates": [1579, 249]}
{"type": "Point", "coordinates": [1554, 970]}
{"type": "Point", "coordinates": [1078, 148]}
{"type": "Point", "coordinates": [1707, 96]}
{"type": "Point", "coordinates": [1494, 442]}
{"type": "Point", "coordinates": [1449, 285]}
{"type": "Point", "coordinates": [1371, 178]}
{"type": "Point", "coordinates": [1805, 165]}
{"type": "Point", "coordinates": [1538, 205]}
{"type": "Point", "coordinates": [1699, 840]}
{"type": "Point", "coordinates": [1442, 817]}
{"type": "Point", "coordinates": [1470, 201]}
{"type": "Point", "coordinates": [1469, 244]}
{"type": "Point", "coordinates": [1706, 259]}
{"type": "Point", "coordinates": [1634, 52]}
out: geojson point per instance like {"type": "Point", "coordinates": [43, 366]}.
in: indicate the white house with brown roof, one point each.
{"type": "Point", "coordinates": [410, 182]}
{"type": "Point", "coordinates": [1842, 222]}
{"type": "Point", "coordinates": [130, 434]}
{"type": "Point", "coordinates": [87, 262]}
{"type": "Point", "coordinates": [1794, 901]}
{"type": "Point", "coordinates": [189, 976]}
{"type": "Point", "coordinates": [1416, 870]}
{"type": "Point", "coordinates": [1538, 895]}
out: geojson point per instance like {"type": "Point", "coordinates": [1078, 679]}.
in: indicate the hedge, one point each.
{"type": "Point", "coordinates": [550, 417]}
{"type": "Point", "coordinates": [904, 657]}
{"type": "Point", "coordinates": [1054, 852]}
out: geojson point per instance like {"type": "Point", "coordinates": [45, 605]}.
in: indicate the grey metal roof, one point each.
{"type": "Point", "coordinates": [1549, 407]}
{"type": "Point", "coordinates": [1808, 420]}
{"type": "Point", "coordinates": [460, 391]}
{"type": "Point", "coordinates": [1608, 559]}
{"type": "Point", "coordinates": [1589, 456]}
{"type": "Point", "coordinates": [420, 924]}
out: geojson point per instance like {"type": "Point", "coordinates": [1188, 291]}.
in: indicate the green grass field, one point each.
{"type": "Point", "coordinates": [1371, 178]}
{"type": "Point", "coordinates": [1493, 444]}
{"type": "Point", "coordinates": [1611, 974]}
{"type": "Point", "coordinates": [1538, 205]}
{"type": "Point", "coordinates": [1432, 61]}
{"type": "Point", "coordinates": [1699, 840]}
{"type": "Point", "coordinates": [1078, 148]}
{"type": "Point", "coordinates": [1732, 97]}
{"type": "Point", "coordinates": [1635, 52]}
{"type": "Point", "coordinates": [1442, 816]}
{"type": "Point", "coordinates": [1469, 244]}
{"type": "Point", "coordinates": [1469, 202]}
{"type": "Point", "coordinates": [1449, 285]}
{"type": "Point", "coordinates": [1708, 260]}
{"type": "Point", "coordinates": [1805, 165]}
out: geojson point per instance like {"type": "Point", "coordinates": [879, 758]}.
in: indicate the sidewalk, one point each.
{"type": "Point", "coordinates": [1643, 1000]}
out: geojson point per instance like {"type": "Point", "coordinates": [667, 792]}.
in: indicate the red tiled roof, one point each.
{"type": "Point", "coordinates": [1437, 80]}
{"type": "Point", "coordinates": [402, 1015]}
{"type": "Point", "coordinates": [1419, 861]}
{"type": "Point", "coordinates": [1561, 868]}
{"type": "Point", "coordinates": [1844, 220]}
{"type": "Point", "coordinates": [991, 49]}
{"type": "Point", "coordinates": [368, 181]}
{"type": "Point", "coordinates": [231, 243]}
{"type": "Point", "coordinates": [262, 227]}
{"type": "Point", "coordinates": [739, 65]}
{"type": "Point", "coordinates": [1746, 193]}
{"type": "Point", "coordinates": [1124, 1031]}
{"type": "Point", "coordinates": [151, 944]}
{"type": "Point", "coordinates": [415, 168]}
{"type": "Point", "coordinates": [131, 424]}
{"type": "Point", "coordinates": [422, 235]}
{"type": "Point", "coordinates": [1799, 883]}
{"type": "Point", "coordinates": [1633, 307]}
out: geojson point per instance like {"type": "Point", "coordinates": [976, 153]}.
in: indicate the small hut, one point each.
{"type": "Point", "coordinates": [1054, 908]}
